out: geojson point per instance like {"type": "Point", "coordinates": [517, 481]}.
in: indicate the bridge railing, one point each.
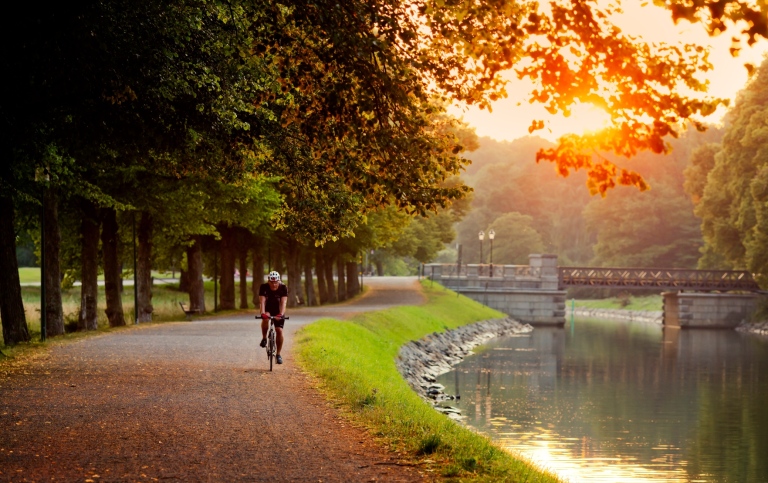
{"type": "Point", "coordinates": [640, 278]}
{"type": "Point", "coordinates": [481, 270]}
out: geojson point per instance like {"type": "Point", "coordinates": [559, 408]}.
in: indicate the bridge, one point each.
{"type": "Point", "coordinates": [535, 293]}
{"type": "Point", "coordinates": [658, 278]}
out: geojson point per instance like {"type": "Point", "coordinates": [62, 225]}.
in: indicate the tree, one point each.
{"type": "Point", "coordinates": [733, 205]}
{"type": "Point", "coordinates": [701, 163]}
{"type": "Point", "coordinates": [340, 101]}
{"type": "Point", "coordinates": [14, 320]}
{"type": "Point", "coordinates": [515, 240]}
{"type": "Point", "coordinates": [509, 183]}
{"type": "Point", "coordinates": [655, 228]}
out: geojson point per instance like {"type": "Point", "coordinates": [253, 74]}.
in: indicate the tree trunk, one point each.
{"type": "Point", "coordinates": [276, 262]}
{"type": "Point", "coordinates": [341, 292]}
{"type": "Point", "coordinates": [330, 285]}
{"type": "Point", "coordinates": [112, 275]}
{"type": "Point", "coordinates": [353, 280]}
{"type": "Point", "coordinates": [309, 284]}
{"type": "Point", "coordinates": [54, 315]}
{"type": "Point", "coordinates": [320, 271]}
{"type": "Point", "coordinates": [144, 268]}
{"type": "Point", "coordinates": [294, 273]}
{"type": "Point", "coordinates": [89, 260]}
{"type": "Point", "coordinates": [184, 282]}
{"type": "Point", "coordinates": [228, 248]}
{"type": "Point", "coordinates": [195, 276]}
{"type": "Point", "coordinates": [14, 319]}
{"type": "Point", "coordinates": [257, 272]}
{"type": "Point", "coordinates": [379, 268]}
{"type": "Point", "coordinates": [120, 281]}
{"type": "Point", "coordinates": [242, 256]}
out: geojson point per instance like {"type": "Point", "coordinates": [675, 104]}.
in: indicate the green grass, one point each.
{"type": "Point", "coordinates": [354, 363]}
{"type": "Point", "coordinates": [165, 301]}
{"type": "Point", "coordinates": [650, 302]}
{"type": "Point", "coordinates": [29, 274]}
{"type": "Point", "coordinates": [32, 275]}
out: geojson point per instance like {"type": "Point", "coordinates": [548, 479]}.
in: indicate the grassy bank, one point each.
{"type": "Point", "coordinates": [650, 302]}
{"type": "Point", "coordinates": [165, 301]}
{"type": "Point", "coordinates": [355, 364]}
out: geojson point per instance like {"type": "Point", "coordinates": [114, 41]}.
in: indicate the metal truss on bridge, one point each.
{"type": "Point", "coordinates": [641, 278]}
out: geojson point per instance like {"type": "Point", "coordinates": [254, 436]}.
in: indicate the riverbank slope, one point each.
{"type": "Point", "coordinates": [354, 363]}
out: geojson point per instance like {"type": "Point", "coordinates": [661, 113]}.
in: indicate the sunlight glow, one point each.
{"type": "Point", "coordinates": [512, 116]}
{"type": "Point", "coordinates": [575, 461]}
{"type": "Point", "coordinates": [584, 119]}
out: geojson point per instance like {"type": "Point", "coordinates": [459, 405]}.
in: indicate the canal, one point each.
{"type": "Point", "coordinates": [607, 401]}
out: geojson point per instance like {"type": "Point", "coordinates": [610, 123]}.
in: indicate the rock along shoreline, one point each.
{"type": "Point", "coordinates": [421, 361]}
{"type": "Point", "coordinates": [653, 316]}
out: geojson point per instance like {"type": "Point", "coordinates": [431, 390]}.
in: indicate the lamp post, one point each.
{"type": "Point", "coordinates": [480, 236]}
{"type": "Point", "coordinates": [491, 235]}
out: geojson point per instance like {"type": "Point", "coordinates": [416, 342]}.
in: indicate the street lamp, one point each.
{"type": "Point", "coordinates": [491, 234]}
{"type": "Point", "coordinates": [480, 236]}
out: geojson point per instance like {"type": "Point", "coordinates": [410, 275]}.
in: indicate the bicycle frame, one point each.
{"type": "Point", "coordinates": [271, 340]}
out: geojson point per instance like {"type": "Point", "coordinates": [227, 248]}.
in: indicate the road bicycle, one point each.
{"type": "Point", "coordinates": [271, 342]}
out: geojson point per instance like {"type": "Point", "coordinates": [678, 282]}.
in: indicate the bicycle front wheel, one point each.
{"type": "Point", "coordinates": [271, 349]}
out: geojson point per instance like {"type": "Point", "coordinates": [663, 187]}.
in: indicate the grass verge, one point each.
{"type": "Point", "coordinates": [355, 364]}
{"type": "Point", "coordinates": [650, 302]}
{"type": "Point", "coordinates": [165, 301]}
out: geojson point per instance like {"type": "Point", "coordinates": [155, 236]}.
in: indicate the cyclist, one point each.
{"type": "Point", "coordinates": [273, 297]}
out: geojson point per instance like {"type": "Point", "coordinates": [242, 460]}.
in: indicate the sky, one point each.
{"type": "Point", "coordinates": [512, 116]}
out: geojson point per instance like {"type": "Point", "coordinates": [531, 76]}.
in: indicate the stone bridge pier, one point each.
{"type": "Point", "coordinates": [528, 293]}
{"type": "Point", "coordinates": [688, 310]}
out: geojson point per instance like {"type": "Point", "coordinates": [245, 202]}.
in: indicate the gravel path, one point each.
{"type": "Point", "coordinates": [188, 401]}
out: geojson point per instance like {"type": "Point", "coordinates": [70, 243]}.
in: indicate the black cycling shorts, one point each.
{"type": "Point", "coordinates": [279, 322]}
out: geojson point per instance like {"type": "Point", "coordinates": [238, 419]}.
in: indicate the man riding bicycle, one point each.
{"type": "Point", "coordinates": [273, 297]}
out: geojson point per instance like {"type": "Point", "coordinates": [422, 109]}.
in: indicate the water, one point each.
{"type": "Point", "coordinates": [606, 401]}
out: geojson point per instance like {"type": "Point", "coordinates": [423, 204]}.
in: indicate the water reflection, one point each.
{"type": "Point", "coordinates": [620, 402]}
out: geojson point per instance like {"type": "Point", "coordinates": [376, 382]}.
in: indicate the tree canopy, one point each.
{"type": "Point", "coordinates": [732, 204]}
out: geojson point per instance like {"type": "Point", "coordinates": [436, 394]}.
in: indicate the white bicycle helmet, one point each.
{"type": "Point", "coordinates": [274, 276]}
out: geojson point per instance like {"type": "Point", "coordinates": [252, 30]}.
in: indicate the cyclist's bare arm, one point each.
{"type": "Point", "coordinates": [263, 304]}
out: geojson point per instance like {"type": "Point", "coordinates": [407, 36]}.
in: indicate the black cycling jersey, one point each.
{"type": "Point", "coordinates": [272, 304]}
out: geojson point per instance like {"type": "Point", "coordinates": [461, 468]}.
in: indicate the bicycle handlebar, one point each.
{"type": "Point", "coordinates": [272, 317]}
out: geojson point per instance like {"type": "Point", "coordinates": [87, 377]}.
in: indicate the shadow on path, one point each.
{"type": "Point", "coordinates": [190, 401]}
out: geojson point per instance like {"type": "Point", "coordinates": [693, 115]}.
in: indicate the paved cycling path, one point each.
{"type": "Point", "coordinates": [189, 401]}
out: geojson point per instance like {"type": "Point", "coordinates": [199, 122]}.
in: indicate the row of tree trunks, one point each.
{"type": "Point", "coordinates": [112, 275]}
{"type": "Point", "coordinates": [353, 281]}
{"type": "Point", "coordinates": [329, 283]}
{"type": "Point", "coordinates": [242, 255]}
{"type": "Point", "coordinates": [228, 248]}
{"type": "Point", "coordinates": [309, 263]}
{"type": "Point", "coordinates": [257, 272]}
{"type": "Point", "coordinates": [309, 285]}
{"type": "Point", "coordinates": [294, 273]}
{"type": "Point", "coordinates": [341, 285]}
{"type": "Point", "coordinates": [54, 315]}
{"type": "Point", "coordinates": [322, 288]}
{"type": "Point", "coordinates": [194, 273]}
{"type": "Point", "coordinates": [144, 269]}
{"type": "Point", "coordinates": [89, 260]}
{"type": "Point", "coordinates": [14, 319]}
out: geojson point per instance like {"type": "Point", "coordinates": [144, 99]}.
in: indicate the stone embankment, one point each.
{"type": "Point", "coordinates": [759, 328]}
{"type": "Point", "coordinates": [653, 316]}
{"type": "Point", "coordinates": [421, 361]}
